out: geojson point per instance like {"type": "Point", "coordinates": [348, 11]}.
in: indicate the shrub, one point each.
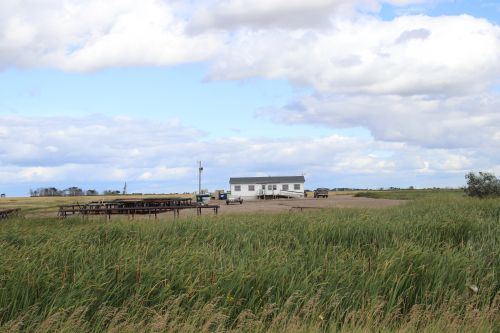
{"type": "Point", "coordinates": [484, 184]}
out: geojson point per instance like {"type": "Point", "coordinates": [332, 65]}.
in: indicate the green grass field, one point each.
{"type": "Point", "coordinates": [404, 269]}
{"type": "Point", "coordinates": [410, 194]}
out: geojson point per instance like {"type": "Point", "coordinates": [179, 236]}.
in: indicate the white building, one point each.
{"type": "Point", "coordinates": [267, 187]}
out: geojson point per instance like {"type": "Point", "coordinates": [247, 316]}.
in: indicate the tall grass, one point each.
{"type": "Point", "coordinates": [411, 194]}
{"type": "Point", "coordinates": [407, 268]}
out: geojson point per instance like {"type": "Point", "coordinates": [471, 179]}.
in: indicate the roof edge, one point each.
{"type": "Point", "coordinates": [269, 179]}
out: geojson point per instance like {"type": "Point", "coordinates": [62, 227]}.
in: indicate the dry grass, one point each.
{"type": "Point", "coordinates": [48, 206]}
{"type": "Point", "coordinates": [402, 269]}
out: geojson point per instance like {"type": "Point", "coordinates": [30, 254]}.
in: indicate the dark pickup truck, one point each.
{"type": "Point", "coordinates": [321, 193]}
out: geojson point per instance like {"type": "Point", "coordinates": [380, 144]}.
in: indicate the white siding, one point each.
{"type": "Point", "coordinates": [245, 193]}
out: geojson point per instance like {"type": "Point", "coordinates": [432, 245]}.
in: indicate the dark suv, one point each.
{"type": "Point", "coordinates": [321, 193]}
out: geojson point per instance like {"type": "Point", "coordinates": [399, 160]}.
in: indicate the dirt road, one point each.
{"type": "Point", "coordinates": [256, 206]}
{"type": "Point", "coordinates": [284, 205]}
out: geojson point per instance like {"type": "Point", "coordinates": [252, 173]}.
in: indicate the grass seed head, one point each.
{"type": "Point", "coordinates": [473, 289]}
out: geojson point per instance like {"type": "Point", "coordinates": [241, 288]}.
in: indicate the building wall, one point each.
{"type": "Point", "coordinates": [245, 193]}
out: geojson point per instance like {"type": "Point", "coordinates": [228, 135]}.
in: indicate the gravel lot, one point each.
{"type": "Point", "coordinates": [256, 206]}
{"type": "Point", "coordinates": [284, 205]}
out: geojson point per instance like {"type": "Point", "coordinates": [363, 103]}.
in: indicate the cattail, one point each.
{"type": "Point", "coordinates": [117, 272]}
{"type": "Point", "coordinates": [64, 274]}
{"type": "Point", "coordinates": [138, 275]}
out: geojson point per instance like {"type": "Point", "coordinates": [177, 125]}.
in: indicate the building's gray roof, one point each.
{"type": "Point", "coordinates": [266, 180]}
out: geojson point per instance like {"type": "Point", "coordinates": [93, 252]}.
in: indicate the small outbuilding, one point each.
{"type": "Point", "coordinates": [267, 187]}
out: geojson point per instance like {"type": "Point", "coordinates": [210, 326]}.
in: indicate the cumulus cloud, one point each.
{"type": "Point", "coordinates": [101, 149]}
{"type": "Point", "coordinates": [411, 55]}
{"type": "Point", "coordinates": [399, 78]}
{"type": "Point", "coordinates": [360, 54]}
{"type": "Point", "coordinates": [262, 13]}
{"type": "Point", "coordinates": [467, 121]}
{"type": "Point", "coordinates": [84, 36]}
{"type": "Point", "coordinates": [90, 35]}
{"type": "Point", "coordinates": [49, 141]}
{"type": "Point", "coordinates": [289, 14]}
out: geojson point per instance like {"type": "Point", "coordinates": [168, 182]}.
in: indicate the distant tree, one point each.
{"type": "Point", "coordinates": [46, 192]}
{"type": "Point", "coordinates": [91, 193]}
{"type": "Point", "coordinates": [110, 192]}
{"type": "Point", "coordinates": [483, 185]}
{"type": "Point", "coordinates": [73, 191]}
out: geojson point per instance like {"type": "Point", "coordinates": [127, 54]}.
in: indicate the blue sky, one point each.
{"type": "Point", "coordinates": [350, 93]}
{"type": "Point", "coordinates": [488, 9]}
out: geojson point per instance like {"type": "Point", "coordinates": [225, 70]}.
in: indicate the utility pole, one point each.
{"type": "Point", "coordinates": [200, 169]}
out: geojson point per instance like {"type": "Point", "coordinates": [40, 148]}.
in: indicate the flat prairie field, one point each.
{"type": "Point", "coordinates": [430, 263]}
{"type": "Point", "coordinates": [48, 206]}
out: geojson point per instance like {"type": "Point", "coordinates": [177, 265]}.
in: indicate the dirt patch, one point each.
{"type": "Point", "coordinates": [259, 206]}
{"type": "Point", "coordinates": [285, 205]}
{"type": "Point", "coordinates": [290, 205]}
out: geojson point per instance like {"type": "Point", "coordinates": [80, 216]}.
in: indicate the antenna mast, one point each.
{"type": "Point", "coordinates": [200, 169]}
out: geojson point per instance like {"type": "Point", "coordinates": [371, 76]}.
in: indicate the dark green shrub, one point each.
{"type": "Point", "coordinates": [483, 185]}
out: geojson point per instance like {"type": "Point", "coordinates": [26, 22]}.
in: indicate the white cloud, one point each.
{"type": "Point", "coordinates": [412, 55]}
{"type": "Point", "coordinates": [265, 13]}
{"type": "Point", "coordinates": [84, 36]}
{"type": "Point", "coordinates": [168, 153]}
{"type": "Point", "coordinates": [162, 173]}
{"type": "Point", "coordinates": [426, 81]}
{"type": "Point", "coordinates": [289, 14]}
{"type": "Point", "coordinates": [433, 122]}
{"type": "Point", "coordinates": [357, 54]}
{"type": "Point", "coordinates": [35, 141]}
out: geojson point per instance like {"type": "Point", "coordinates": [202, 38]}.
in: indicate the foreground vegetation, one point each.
{"type": "Point", "coordinates": [412, 194]}
{"type": "Point", "coordinates": [411, 268]}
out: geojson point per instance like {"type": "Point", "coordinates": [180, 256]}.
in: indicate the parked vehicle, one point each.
{"type": "Point", "coordinates": [321, 192]}
{"type": "Point", "coordinates": [203, 199]}
{"type": "Point", "coordinates": [216, 194]}
{"type": "Point", "coordinates": [234, 200]}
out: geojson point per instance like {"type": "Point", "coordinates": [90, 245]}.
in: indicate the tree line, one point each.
{"type": "Point", "coordinates": [69, 192]}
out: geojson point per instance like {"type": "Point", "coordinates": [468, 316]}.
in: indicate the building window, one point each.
{"type": "Point", "coordinates": [237, 188]}
{"type": "Point", "coordinates": [296, 186]}
{"type": "Point", "coordinates": [263, 187]}
{"type": "Point", "coordinates": [284, 187]}
{"type": "Point", "coordinates": [251, 187]}
{"type": "Point", "coordinates": [269, 187]}
{"type": "Point", "coordinates": [275, 187]}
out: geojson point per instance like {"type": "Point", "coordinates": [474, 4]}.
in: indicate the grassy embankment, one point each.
{"type": "Point", "coordinates": [48, 206]}
{"type": "Point", "coordinates": [410, 194]}
{"type": "Point", "coordinates": [406, 268]}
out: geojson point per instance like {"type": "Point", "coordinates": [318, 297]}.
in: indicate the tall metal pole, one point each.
{"type": "Point", "coordinates": [200, 169]}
